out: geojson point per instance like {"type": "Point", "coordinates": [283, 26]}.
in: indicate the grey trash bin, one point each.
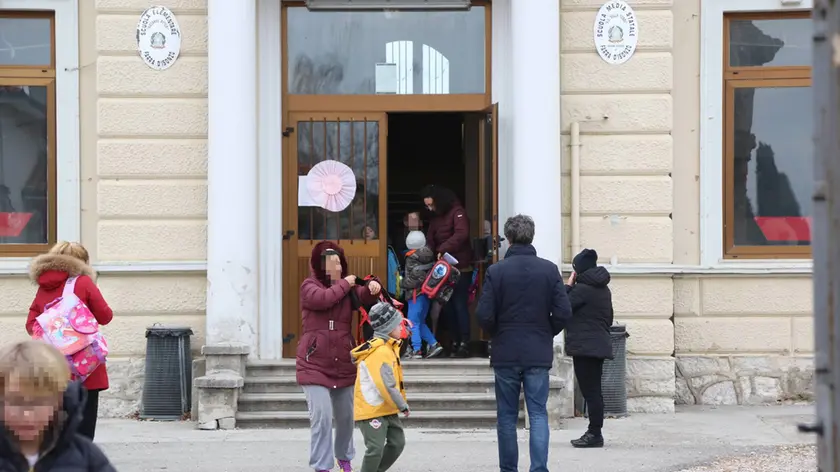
{"type": "Point", "coordinates": [167, 390]}
{"type": "Point", "coordinates": [613, 387]}
{"type": "Point", "coordinates": [615, 373]}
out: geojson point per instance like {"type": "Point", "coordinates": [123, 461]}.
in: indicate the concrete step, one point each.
{"type": "Point", "coordinates": [436, 401]}
{"type": "Point", "coordinates": [444, 419]}
{"type": "Point", "coordinates": [415, 383]}
{"type": "Point", "coordinates": [431, 366]}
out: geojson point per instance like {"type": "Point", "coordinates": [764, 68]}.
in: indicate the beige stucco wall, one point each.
{"type": "Point", "coordinates": [720, 339]}
{"type": "Point", "coordinates": [144, 190]}
{"type": "Point", "coordinates": [626, 116]}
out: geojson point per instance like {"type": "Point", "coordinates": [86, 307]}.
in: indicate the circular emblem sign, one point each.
{"type": "Point", "coordinates": [616, 32]}
{"type": "Point", "coordinates": [158, 38]}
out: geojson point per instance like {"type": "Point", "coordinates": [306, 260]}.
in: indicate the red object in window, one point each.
{"type": "Point", "coordinates": [12, 224]}
{"type": "Point", "coordinates": [785, 228]}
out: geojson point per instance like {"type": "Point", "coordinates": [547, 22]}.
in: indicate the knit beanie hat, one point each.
{"type": "Point", "coordinates": [415, 240]}
{"type": "Point", "coordinates": [384, 318]}
{"type": "Point", "coordinates": [587, 259]}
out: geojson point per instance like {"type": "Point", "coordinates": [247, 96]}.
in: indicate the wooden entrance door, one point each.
{"type": "Point", "coordinates": [488, 189]}
{"type": "Point", "coordinates": [359, 141]}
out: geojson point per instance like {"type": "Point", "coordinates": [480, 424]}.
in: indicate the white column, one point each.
{"type": "Point", "coordinates": [535, 32]}
{"type": "Point", "coordinates": [232, 255]}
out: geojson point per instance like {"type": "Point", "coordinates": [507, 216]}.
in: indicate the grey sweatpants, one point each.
{"type": "Point", "coordinates": [325, 405]}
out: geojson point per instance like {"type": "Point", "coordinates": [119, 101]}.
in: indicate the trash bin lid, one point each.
{"type": "Point", "coordinates": [166, 331]}
{"type": "Point", "coordinates": [618, 329]}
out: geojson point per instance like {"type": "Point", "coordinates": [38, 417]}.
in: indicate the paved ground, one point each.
{"type": "Point", "coordinates": [694, 439]}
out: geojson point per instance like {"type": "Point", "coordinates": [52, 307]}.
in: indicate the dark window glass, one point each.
{"type": "Point", "coordinates": [355, 144]}
{"type": "Point", "coordinates": [405, 52]}
{"type": "Point", "coordinates": [770, 43]}
{"type": "Point", "coordinates": [23, 165]}
{"type": "Point", "coordinates": [25, 42]}
{"type": "Point", "coordinates": [772, 166]}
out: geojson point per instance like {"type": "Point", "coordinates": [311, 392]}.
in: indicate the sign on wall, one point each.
{"type": "Point", "coordinates": [158, 38]}
{"type": "Point", "coordinates": [616, 32]}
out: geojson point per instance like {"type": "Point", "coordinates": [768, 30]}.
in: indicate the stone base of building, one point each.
{"type": "Point", "coordinates": [650, 385]}
{"type": "Point", "coordinates": [122, 399]}
{"type": "Point", "coordinates": [654, 384]}
{"type": "Point", "coordinates": [742, 380]}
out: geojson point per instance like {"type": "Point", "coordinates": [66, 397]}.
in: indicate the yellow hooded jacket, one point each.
{"type": "Point", "coordinates": [379, 384]}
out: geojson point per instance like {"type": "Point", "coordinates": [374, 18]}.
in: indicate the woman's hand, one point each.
{"type": "Point", "coordinates": [351, 279]}
{"type": "Point", "coordinates": [571, 279]}
{"type": "Point", "coordinates": [374, 287]}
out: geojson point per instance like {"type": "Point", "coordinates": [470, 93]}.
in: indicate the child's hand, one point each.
{"type": "Point", "coordinates": [406, 412]}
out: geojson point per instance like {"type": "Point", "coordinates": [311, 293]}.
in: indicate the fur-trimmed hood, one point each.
{"type": "Point", "coordinates": [58, 263]}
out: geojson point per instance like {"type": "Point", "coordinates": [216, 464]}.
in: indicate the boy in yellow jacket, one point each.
{"type": "Point", "coordinates": [380, 393]}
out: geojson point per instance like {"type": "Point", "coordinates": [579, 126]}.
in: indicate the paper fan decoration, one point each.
{"type": "Point", "coordinates": [331, 185]}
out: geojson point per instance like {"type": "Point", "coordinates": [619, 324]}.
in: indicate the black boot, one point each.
{"type": "Point", "coordinates": [463, 351]}
{"type": "Point", "coordinates": [589, 440]}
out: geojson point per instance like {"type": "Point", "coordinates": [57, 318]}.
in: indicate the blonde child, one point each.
{"type": "Point", "coordinates": [51, 272]}
{"type": "Point", "coordinates": [42, 412]}
{"type": "Point", "coordinates": [380, 393]}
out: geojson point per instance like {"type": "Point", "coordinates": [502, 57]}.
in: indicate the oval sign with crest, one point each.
{"type": "Point", "coordinates": [158, 38]}
{"type": "Point", "coordinates": [616, 32]}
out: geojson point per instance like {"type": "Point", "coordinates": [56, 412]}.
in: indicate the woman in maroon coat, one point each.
{"type": "Point", "coordinates": [324, 367]}
{"type": "Point", "coordinates": [449, 231]}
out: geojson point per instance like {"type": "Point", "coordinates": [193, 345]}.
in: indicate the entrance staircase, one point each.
{"type": "Point", "coordinates": [445, 393]}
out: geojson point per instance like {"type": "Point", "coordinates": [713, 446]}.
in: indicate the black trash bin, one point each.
{"type": "Point", "coordinates": [167, 390]}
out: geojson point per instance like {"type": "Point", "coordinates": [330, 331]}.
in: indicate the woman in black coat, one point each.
{"type": "Point", "coordinates": [588, 337]}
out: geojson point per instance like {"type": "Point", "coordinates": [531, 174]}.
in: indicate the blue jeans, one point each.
{"type": "Point", "coordinates": [508, 386]}
{"type": "Point", "coordinates": [417, 310]}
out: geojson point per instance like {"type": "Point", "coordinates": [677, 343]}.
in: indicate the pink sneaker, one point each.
{"type": "Point", "coordinates": [345, 466]}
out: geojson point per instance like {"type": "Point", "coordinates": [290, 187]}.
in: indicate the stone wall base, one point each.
{"type": "Point", "coordinates": [650, 385]}
{"type": "Point", "coordinates": [743, 380]}
{"type": "Point", "coordinates": [126, 377]}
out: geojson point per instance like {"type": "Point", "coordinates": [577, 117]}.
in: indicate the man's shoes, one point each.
{"type": "Point", "coordinates": [588, 440]}
{"type": "Point", "coordinates": [434, 351]}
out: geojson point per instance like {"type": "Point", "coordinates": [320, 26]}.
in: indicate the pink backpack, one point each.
{"type": "Point", "coordinates": [68, 324]}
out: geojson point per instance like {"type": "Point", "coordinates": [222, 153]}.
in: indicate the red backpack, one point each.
{"type": "Point", "coordinates": [438, 279]}
{"type": "Point", "coordinates": [365, 332]}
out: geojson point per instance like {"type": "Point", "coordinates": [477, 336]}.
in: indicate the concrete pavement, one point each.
{"type": "Point", "coordinates": [639, 443]}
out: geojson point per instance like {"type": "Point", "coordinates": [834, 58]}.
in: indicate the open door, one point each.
{"type": "Point", "coordinates": [488, 189]}
{"type": "Point", "coordinates": [357, 140]}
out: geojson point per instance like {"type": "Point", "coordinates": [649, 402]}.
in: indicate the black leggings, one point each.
{"type": "Point", "coordinates": [588, 371]}
{"type": "Point", "coordinates": [88, 426]}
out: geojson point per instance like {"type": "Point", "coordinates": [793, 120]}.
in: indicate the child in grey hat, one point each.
{"type": "Point", "coordinates": [380, 392]}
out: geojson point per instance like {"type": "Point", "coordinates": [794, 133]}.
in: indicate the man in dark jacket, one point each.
{"type": "Point", "coordinates": [523, 306]}
{"type": "Point", "coordinates": [588, 337]}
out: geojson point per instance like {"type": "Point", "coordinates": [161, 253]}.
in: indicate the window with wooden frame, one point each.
{"type": "Point", "coordinates": [768, 136]}
{"type": "Point", "coordinates": [27, 133]}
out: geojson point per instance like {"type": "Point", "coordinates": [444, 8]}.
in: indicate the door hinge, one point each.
{"type": "Point", "coordinates": [288, 131]}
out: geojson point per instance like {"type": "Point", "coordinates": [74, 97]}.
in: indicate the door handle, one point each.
{"type": "Point", "coordinates": [288, 235]}
{"type": "Point", "coordinates": [288, 338]}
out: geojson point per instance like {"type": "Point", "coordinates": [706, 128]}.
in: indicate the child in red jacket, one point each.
{"type": "Point", "coordinates": [50, 271]}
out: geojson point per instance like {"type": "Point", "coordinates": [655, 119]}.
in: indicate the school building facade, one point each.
{"type": "Point", "coordinates": [177, 177]}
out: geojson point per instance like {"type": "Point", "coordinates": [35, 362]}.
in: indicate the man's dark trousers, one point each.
{"type": "Point", "coordinates": [509, 382]}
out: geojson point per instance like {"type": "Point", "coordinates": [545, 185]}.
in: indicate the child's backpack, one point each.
{"type": "Point", "coordinates": [364, 332]}
{"type": "Point", "coordinates": [68, 324]}
{"type": "Point", "coordinates": [440, 281]}
{"type": "Point", "coordinates": [394, 277]}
